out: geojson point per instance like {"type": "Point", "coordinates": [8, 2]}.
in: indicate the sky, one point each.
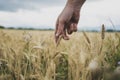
{"type": "Point", "coordinates": [43, 13]}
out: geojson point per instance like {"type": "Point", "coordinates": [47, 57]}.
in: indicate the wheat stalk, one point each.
{"type": "Point", "coordinates": [103, 32]}
{"type": "Point", "coordinates": [58, 42]}
{"type": "Point", "coordinates": [86, 37]}
{"type": "Point", "coordinates": [102, 37]}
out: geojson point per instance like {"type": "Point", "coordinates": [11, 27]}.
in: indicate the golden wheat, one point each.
{"type": "Point", "coordinates": [32, 55]}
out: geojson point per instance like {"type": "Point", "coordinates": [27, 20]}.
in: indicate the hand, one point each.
{"type": "Point", "coordinates": [66, 24]}
{"type": "Point", "coordinates": [67, 21]}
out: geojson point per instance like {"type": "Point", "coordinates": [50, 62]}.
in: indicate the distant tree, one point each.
{"type": "Point", "coordinates": [2, 27]}
{"type": "Point", "coordinates": [110, 30]}
{"type": "Point", "coordinates": [118, 30]}
{"type": "Point", "coordinates": [50, 29]}
{"type": "Point", "coordinates": [93, 30]}
{"type": "Point", "coordinates": [20, 28]}
{"type": "Point", "coordinates": [30, 28]}
{"type": "Point", "coordinates": [10, 27]}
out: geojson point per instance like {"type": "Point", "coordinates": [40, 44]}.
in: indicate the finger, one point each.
{"type": "Point", "coordinates": [72, 28]}
{"type": "Point", "coordinates": [60, 33]}
{"type": "Point", "coordinates": [69, 31]}
{"type": "Point", "coordinates": [56, 34]}
{"type": "Point", "coordinates": [73, 22]}
{"type": "Point", "coordinates": [68, 28]}
{"type": "Point", "coordinates": [65, 37]}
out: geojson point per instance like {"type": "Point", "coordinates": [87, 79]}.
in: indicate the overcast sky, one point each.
{"type": "Point", "coordinates": [43, 13]}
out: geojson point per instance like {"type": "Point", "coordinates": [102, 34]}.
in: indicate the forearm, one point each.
{"type": "Point", "coordinates": [76, 4]}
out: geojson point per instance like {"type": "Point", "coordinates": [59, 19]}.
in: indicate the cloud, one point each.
{"type": "Point", "coordinates": [15, 5]}
{"type": "Point", "coordinates": [45, 12]}
{"type": "Point", "coordinates": [94, 0]}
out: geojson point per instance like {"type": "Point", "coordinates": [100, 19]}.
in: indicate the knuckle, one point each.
{"type": "Point", "coordinates": [56, 34]}
{"type": "Point", "coordinates": [61, 20]}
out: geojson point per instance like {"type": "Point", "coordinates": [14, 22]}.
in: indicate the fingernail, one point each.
{"type": "Point", "coordinates": [66, 38]}
{"type": "Point", "coordinates": [56, 34]}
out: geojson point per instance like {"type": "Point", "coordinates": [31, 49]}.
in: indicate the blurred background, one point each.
{"type": "Point", "coordinates": [42, 14]}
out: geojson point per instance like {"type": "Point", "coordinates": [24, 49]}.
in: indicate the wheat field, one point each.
{"type": "Point", "coordinates": [33, 55]}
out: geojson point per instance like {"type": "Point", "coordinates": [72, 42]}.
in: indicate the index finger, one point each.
{"type": "Point", "coordinates": [60, 32]}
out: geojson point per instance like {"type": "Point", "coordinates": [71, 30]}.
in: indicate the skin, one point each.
{"type": "Point", "coordinates": [67, 21]}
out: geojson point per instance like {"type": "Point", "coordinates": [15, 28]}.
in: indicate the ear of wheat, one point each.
{"type": "Point", "coordinates": [86, 37]}
{"type": "Point", "coordinates": [103, 32]}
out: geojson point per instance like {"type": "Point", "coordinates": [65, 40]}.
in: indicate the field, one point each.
{"type": "Point", "coordinates": [33, 55]}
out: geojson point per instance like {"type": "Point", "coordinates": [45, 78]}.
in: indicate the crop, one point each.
{"type": "Point", "coordinates": [33, 55]}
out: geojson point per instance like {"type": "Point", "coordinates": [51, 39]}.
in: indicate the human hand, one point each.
{"type": "Point", "coordinates": [67, 21]}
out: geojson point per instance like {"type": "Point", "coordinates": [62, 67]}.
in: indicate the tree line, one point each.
{"type": "Point", "coordinates": [20, 28]}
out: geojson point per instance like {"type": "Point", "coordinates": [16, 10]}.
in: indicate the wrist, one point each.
{"type": "Point", "coordinates": [75, 3]}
